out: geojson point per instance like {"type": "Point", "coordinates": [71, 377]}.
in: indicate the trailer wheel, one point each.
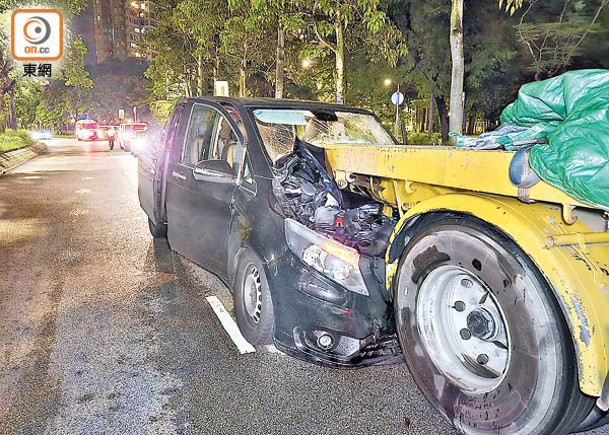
{"type": "Point", "coordinates": [596, 418]}
{"type": "Point", "coordinates": [253, 304]}
{"type": "Point", "coordinates": [482, 334]}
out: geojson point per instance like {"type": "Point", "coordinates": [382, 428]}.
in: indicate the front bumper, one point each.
{"type": "Point", "coordinates": [319, 321]}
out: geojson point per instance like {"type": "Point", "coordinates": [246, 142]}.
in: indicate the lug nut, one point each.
{"type": "Point", "coordinates": [459, 306]}
{"type": "Point", "coordinates": [482, 359]}
{"type": "Point", "coordinates": [465, 334]}
{"type": "Point", "coordinates": [467, 283]}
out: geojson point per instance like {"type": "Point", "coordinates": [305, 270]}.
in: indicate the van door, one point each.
{"type": "Point", "coordinates": [151, 164]}
{"type": "Point", "coordinates": [199, 212]}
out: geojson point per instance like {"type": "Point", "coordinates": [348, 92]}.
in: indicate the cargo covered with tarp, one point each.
{"type": "Point", "coordinates": [572, 111]}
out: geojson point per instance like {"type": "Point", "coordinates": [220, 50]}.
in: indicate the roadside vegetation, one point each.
{"type": "Point", "coordinates": [352, 51]}
{"type": "Point", "coordinates": [14, 139]}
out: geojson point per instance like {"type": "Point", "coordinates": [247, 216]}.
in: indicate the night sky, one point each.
{"type": "Point", "coordinates": [83, 25]}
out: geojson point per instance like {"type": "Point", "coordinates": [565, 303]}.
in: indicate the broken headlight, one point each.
{"type": "Point", "coordinates": [335, 260]}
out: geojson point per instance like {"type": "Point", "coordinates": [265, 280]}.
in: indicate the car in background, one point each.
{"type": "Point", "coordinates": [127, 131]}
{"type": "Point", "coordinates": [137, 143]}
{"type": "Point", "coordinates": [41, 134]}
{"type": "Point", "coordinates": [87, 130]}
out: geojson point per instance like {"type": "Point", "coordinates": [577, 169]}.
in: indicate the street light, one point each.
{"type": "Point", "coordinates": [306, 63]}
{"type": "Point", "coordinates": [387, 82]}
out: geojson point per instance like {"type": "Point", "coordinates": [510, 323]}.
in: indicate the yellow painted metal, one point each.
{"type": "Point", "coordinates": [478, 171]}
{"type": "Point", "coordinates": [418, 180]}
{"type": "Point", "coordinates": [577, 239]}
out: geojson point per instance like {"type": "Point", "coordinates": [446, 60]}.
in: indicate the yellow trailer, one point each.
{"type": "Point", "coordinates": [501, 294]}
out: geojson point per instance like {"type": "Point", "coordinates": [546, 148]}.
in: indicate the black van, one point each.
{"type": "Point", "coordinates": [240, 187]}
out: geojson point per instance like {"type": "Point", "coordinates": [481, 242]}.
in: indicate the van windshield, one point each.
{"type": "Point", "coordinates": [278, 129]}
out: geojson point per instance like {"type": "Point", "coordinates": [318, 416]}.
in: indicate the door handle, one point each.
{"type": "Point", "coordinates": [179, 175]}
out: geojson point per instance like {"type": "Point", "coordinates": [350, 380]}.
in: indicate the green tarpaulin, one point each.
{"type": "Point", "coordinates": [573, 110]}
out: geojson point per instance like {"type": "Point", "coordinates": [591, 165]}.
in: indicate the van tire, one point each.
{"type": "Point", "coordinates": [253, 304]}
{"type": "Point", "coordinates": [157, 231]}
{"type": "Point", "coordinates": [479, 326]}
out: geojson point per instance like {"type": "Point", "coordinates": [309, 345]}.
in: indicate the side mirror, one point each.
{"type": "Point", "coordinates": [214, 171]}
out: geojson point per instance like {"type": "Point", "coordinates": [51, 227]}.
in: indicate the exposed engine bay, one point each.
{"type": "Point", "coordinates": [309, 195]}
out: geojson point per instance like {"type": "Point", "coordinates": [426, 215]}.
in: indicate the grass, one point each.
{"type": "Point", "coordinates": [14, 139]}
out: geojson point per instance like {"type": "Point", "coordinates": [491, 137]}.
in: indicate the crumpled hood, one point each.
{"type": "Point", "coordinates": [309, 195]}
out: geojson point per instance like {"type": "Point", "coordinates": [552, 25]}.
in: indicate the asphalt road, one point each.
{"type": "Point", "coordinates": [103, 330]}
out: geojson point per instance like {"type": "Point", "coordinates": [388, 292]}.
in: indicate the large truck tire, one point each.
{"type": "Point", "coordinates": [482, 333]}
{"type": "Point", "coordinates": [253, 304]}
{"type": "Point", "coordinates": [596, 418]}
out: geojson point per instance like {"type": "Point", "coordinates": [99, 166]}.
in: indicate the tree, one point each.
{"type": "Point", "coordinates": [247, 42]}
{"type": "Point", "coordinates": [458, 66]}
{"type": "Point", "coordinates": [285, 16]}
{"type": "Point", "coordinates": [9, 78]}
{"type": "Point", "coordinates": [492, 66]}
{"type": "Point", "coordinates": [553, 32]}
{"type": "Point", "coordinates": [187, 38]}
{"type": "Point", "coordinates": [118, 85]}
{"type": "Point", "coordinates": [69, 93]}
{"type": "Point", "coordinates": [342, 26]}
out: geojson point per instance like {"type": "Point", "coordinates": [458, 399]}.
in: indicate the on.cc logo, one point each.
{"type": "Point", "coordinates": [36, 30]}
{"type": "Point", "coordinates": [37, 34]}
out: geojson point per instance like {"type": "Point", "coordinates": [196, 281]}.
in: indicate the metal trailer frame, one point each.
{"type": "Point", "coordinates": [568, 241]}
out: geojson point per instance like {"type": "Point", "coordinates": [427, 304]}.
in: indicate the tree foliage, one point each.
{"type": "Point", "coordinates": [13, 88]}
{"type": "Point", "coordinates": [241, 41]}
{"type": "Point", "coordinates": [553, 32]}
{"type": "Point", "coordinates": [492, 65]}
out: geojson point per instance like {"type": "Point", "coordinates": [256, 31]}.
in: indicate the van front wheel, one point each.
{"type": "Point", "coordinates": [253, 305]}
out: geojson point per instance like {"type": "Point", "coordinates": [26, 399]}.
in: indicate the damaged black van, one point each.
{"type": "Point", "coordinates": [241, 187]}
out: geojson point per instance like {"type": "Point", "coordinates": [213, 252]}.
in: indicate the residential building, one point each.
{"type": "Point", "coordinates": [119, 29]}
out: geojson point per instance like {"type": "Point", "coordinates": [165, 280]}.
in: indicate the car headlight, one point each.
{"type": "Point", "coordinates": [335, 260]}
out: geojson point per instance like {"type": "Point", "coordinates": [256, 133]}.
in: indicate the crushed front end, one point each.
{"type": "Point", "coordinates": [331, 304]}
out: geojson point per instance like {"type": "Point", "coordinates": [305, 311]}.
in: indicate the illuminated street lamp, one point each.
{"type": "Point", "coordinates": [387, 82]}
{"type": "Point", "coordinates": [306, 63]}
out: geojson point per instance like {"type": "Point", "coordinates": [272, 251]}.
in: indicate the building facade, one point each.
{"type": "Point", "coordinates": [119, 29]}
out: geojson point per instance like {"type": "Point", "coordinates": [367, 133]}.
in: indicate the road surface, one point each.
{"type": "Point", "coordinates": [103, 330]}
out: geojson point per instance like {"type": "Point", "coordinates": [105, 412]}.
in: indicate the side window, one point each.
{"type": "Point", "coordinates": [198, 138]}
{"type": "Point", "coordinates": [248, 176]}
{"type": "Point", "coordinates": [225, 142]}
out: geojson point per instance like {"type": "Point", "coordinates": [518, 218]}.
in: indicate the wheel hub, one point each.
{"type": "Point", "coordinates": [481, 324]}
{"type": "Point", "coordinates": [462, 328]}
{"type": "Point", "coordinates": [253, 294]}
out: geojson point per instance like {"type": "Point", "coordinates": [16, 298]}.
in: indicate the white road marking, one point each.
{"type": "Point", "coordinates": [230, 326]}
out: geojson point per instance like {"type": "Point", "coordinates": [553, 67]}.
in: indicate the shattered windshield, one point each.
{"type": "Point", "coordinates": [278, 129]}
